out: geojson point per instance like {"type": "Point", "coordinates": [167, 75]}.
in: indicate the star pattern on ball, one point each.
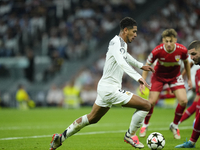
{"type": "Point", "coordinates": [155, 134]}
{"type": "Point", "coordinates": [159, 143]}
{"type": "Point", "coordinates": [149, 142]}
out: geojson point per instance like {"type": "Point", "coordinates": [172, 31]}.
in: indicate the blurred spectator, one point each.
{"type": "Point", "coordinates": [55, 66]}
{"type": "Point", "coordinates": [72, 95]}
{"type": "Point", "coordinates": [3, 27]}
{"type": "Point", "coordinates": [10, 42]}
{"type": "Point", "coordinates": [3, 51]}
{"type": "Point", "coordinates": [55, 97]}
{"type": "Point", "coordinates": [5, 7]}
{"type": "Point", "coordinates": [2, 104]}
{"type": "Point", "coordinates": [88, 95]}
{"type": "Point", "coordinates": [23, 98]}
{"type": "Point", "coordinates": [41, 98]}
{"type": "Point", "coordinates": [30, 70]}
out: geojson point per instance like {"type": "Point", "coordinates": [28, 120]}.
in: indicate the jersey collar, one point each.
{"type": "Point", "coordinates": [171, 51]}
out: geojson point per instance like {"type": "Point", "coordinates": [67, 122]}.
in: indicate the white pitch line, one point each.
{"type": "Point", "coordinates": [63, 126]}
{"type": "Point", "coordinates": [89, 133]}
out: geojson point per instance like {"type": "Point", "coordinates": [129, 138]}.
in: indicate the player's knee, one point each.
{"type": "Point", "coordinates": [183, 102]}
{"type": "Point", "coordinates": [152, 103]}
{"type": "Point", "coordinates": [147, 106]}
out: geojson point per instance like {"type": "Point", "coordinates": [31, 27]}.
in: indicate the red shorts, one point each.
{"type": "Point", "coordinates": [174, 83]}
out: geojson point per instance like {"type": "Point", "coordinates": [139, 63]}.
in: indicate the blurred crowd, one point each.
{"type": "Point", "coordinates": [70, 29]}
{"type": "Point", "coordinates": [59, 29]}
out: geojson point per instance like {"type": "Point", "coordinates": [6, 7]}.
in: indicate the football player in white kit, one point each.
{"type": "Point", "coordinates": [109, 91]}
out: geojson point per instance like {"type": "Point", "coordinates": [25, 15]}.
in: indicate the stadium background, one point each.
{"type": "Point", "coordinates": [51, 43]}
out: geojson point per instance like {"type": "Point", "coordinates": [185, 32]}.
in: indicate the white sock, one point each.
{"type": "Point", "coordinates": [175, 125]}
{"type": "Point", "coordinates": [136, 121]}
{"type": "Point", "coordinates": [192, 142]}
{"type": "Point", "coordinates": [75, 127]}
{"type": "Point", "coordinates": [145, 125]}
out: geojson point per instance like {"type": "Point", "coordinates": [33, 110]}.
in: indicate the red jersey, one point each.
{"type": "Point", "coordinates": [197, 82]}
{"type": "Point", "coordinates": [168, 64]}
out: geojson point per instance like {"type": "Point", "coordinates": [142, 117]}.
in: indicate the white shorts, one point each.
{"type": "Point", "coordinates": [118, 97]}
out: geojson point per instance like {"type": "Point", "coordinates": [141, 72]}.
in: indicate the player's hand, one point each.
{"type": "Point", "coordinates": [147, 68]}
{"type": "Point", "coordinates": [142, 88]}
{"type": "Point", "coordinates": [143, 83]}
{"type": "Point", "coordinates": [189, 84]}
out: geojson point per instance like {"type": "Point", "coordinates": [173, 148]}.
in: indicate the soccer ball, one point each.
{"type": "Point", "coordinates": [156, 141]}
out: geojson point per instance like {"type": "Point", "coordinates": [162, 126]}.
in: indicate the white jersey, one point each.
{"type": "Point", "coordinates": [118, 61]}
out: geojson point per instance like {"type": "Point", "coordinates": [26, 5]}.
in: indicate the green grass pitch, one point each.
{"type": "Point", "coordinates": [32, 129]}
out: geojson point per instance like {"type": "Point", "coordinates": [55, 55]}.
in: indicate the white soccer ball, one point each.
{"type": "Point", "coordinates": [156, 141]}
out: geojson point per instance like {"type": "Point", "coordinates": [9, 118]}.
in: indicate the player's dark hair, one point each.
{"type": "Point", "coordinates": [127, 22]}
{"type": "Point", "coordinates": [169, 33]}
{"type": "Point", "coordinates": [194, 44]}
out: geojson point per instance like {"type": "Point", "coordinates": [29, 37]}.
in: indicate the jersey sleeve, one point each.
{"type": "Point", "coordinates": [119, 54]}
{"type": "Point", "coordinates": [133, 61]}
{"type": "Point", "coordinates": [185, 55]}
{"type": "Point", "coordinates": [151, 58]}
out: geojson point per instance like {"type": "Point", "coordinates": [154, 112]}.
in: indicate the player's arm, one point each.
{"type": "Point", "coordinates": [145, 73]}
{"type": "Point", "coordinates": [132, 61]}
{"type": "Point", "coordinates": [187, 69]}
{"type": "Point", "coordinates": [119, 55]}
{"type": "Point", "coordinates": [184, 71]}
{"type": "Point", "coordinates": [150, 60]}
{"type": "Point", "coordinates": [138, 64]}
{"type": "Point", "coordinates": [122, 62]}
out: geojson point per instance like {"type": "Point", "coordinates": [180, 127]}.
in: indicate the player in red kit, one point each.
{"type": "Point", "coordinates": [169, 55]}
{"type": "Point", "coordinates": [195, 107]}
{"type": "Point", "coordinates": [194, 51]}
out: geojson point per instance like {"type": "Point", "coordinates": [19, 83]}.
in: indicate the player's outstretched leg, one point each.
{"type": "Point", "coordinates": [57, 139]}
{"type": "Point", "coordinates": [93, 117]}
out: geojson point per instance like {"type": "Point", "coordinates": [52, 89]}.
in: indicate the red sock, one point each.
{"type": "Point", "coordinates": [147, 118]}
{"type": "Point", "coordinates": [196, 130]}
{"type": "Point", "coordinates": [189, 111]}
{"type": "Point", "coordinates": [178, 113]}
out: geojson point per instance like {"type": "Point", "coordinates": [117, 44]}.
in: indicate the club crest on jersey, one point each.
{"type": "Point", "coordinates": [128, 93]}
{"type": "Point", "coordinates": [177, 57]}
